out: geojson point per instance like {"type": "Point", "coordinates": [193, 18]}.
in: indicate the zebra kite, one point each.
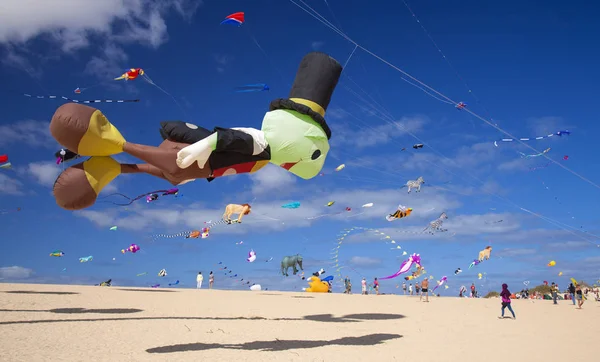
{"type": "Point", "coordinates": [415, 184]}
{"type": "Point", "coordinates": [436, 225]}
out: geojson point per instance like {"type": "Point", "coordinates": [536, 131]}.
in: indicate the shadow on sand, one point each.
{"type": "Point", "coordinates": [328, 318]}
{"type": "Point", "coordinates": [301, 296]}
{"type": "Point", "coordinates": [77, 310]}
{"type": "Point", "coordinates": [278, 344]}
{"type": "Point", "coordinates": [33, 292]}
{"type": "Point", "coordinates": [147, 290]}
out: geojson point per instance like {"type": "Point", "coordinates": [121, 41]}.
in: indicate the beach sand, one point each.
{"type": "Point", "coordinates": [86, 323]}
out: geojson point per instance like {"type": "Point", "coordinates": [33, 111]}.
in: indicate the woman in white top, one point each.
{"type": "Point", "coordinates": [199, 280]}
{"type": "Point", "coordinates": [211, 280]}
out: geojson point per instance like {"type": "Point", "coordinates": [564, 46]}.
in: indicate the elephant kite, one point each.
{"type": "Point", "coordinates": [291, 261]}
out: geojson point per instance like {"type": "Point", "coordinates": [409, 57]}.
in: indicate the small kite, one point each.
{"type": "Point", "coordinates": [194, 234]}
{"type": "Point", "coordinates": [291, 205]}
{"type": "Point", "coordinates": [436, 225]}
{"type": "Point", "coordinates": [479, 276]}
{"type": "Point", "coordinates": [3, 158]}
{"type": "Point", "coordinates": [113, 228]}
{"type": "Point", "coordinates": [155, 286]}
{"type": "Point", "coordinates": [77, 90]}
{"type": "Point", "coordinates": [251, 256]}
{"type": "Point", "coordinates": [474, 263]}
{"type": "Point", "coordinates": [255, 287]}
{"type": "Point", "coordinates": [271, 258]}
{"type": "Point", "coordinates": [559, 134]}
{"type": "Point", "coordinates": [401, 212]}
{"type": "Point", "coordinates": [340, 167]}
{"type": "Point", "coordinates": [258, 87]}
{"type": "Point", "coordinates": [417, 146]}
{"type": "Point", "coordinates": [6, 166]}
{"type": "Point", "coordinates": [370, 204]}
{"type": "Point", "coordinates": [141, 274]}
{"type": "Point", "coordinates": [162, 273]}
{"type": "Point", "coordinates": [57, 253]}
{"type": "Point", "coordinates": [64, 155]}
{"type": "Point", "coordinates": [176, 283]}
{"type": "Point", "coordinates": [406, 265]}
{"type": "Point", "coordinates": [236, 19]}
{"type": "Point", "coordinates": [440, 282]}
{"type": "Point", "coordinates": [86, 259]}
{"type": "Point", "coordinates": [133, 248]}
{"type": "Point", "coordinates": [330, 203]}
{"type": "Point", "coordinates": [131, 74]}
{"type": "Point", "coordinates": [551, 263]}
{"type": "Point", "coordinates": [461, 105]}
{"type": "Point", "coordinates": [457, 271]}
{"type": "Point", "coordinates": [560, 274]}
{"type": "Point", "coordinates": [150, 196]}
{"type": "Point", "coordinates": [87, 101]}
{"type": "Point", "coordinates": [420, 271]}
{"type": "Point", "coordinates": [535, 155]}
{"type": "Point", "coordinates": [107, 283]}
{"type": "Point", "coordinates": [526, 283]}
{"type": "Point", "coordinates": [10, 210]}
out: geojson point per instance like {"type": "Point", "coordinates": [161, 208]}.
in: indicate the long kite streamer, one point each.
{"type": "Point", "coordinates": [86, 101]}
{"type": "Point", "coordinates": [559, 134]}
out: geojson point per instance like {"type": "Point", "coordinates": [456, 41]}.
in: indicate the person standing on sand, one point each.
{"type": "Point", "coordinates": [347, 285]}
{"type": "Point", "coordinates": [211, 280]}
{"type": "Point", "coordinates": [425, 289]}
{"type": "Point", "coordinates": [404, 288]}
{"type": "Point", "coordinates": [505, 294]}
{"type": "Point", "coordinates": [554, 292]}
{"type": "Point", "coordinates": [417, 288]}
{"type": "Point", "coordinates": [376, 285]}
{"type": "Point", "coordinates": [199, 280]}
{"type": "Point", "coordinates": [572, 292]}
{"type": "Point", "coordinates": [363, 284]}
{"type": "Point", "coordinates": [410, 290]}
{"type": "Point", "coordinates": [579, 296]}
{"type": "Point", "coordinates": [473, 290]}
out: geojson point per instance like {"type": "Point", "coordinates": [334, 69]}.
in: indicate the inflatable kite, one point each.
{"type": "Point", "coordinates": [457, 271]}
{"type": "Point", "coordinates": [294, 136]}
{"type": "Point", "coordinates": [133, 248]}
{"type": "Point", "coordinates": [420, 271]}
{"type": "Point", "coordinates": [107, 283]}
{"type": "Point", "coordinates": [401, 212]}
{"type": "Point", "coordinates": [176, 283]}
{"type": "Point", "coordinates": [57, 253]}
{"type": "Point", "coordinates": [236, 19]}
{"type": "Point", "coordinates": [316, 285]}
{"type": "Point", "coordinates": [340, 167]}
{"type": "Point", "coordinates": [3, 158]}
{"type": "Point", "coordinates": [440, 283]}
{"type": "Point", "coordinates": [251, 256]}
{"type": "Point", "coordinates": [485, 253]}
{"type": "Point", "coordinates": [405, 266]}
{"type": "Point", "coordinates": [291, 205]}
{"type": "Point", "coordinates": [415, 184]}
{"type": "Point", "coordinates": [474, 263]}
{"type": "Point", "coordinates": [370, 204]}
{"type": "Point", "coordinates": [65, 155]}
{"type": "Point", "coordinates": [241, 210]}
{"type": "Point", "coordinates": [255, 287]}
{"type": "Point", "coordinates": [131, 74]}
{"type": "Point", "coordinates": [162, 273]}
{"type": "Point", "coordinates": [551, 263]}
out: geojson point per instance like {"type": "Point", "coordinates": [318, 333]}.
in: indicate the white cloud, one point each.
{"type": "Point", "coordinates": [10, 186]}
{"type": "Point", "coordinates": [15, 272]}
{"type": "Point", "coordinates": [44, 173]}
{"type": "Point", "coordinates": [374, 135]}
{"type": "Point", "coordinates": [512, 252]}
{"type": "Point", "coordinates": [363, 261]}
{"type": "Point", "coordinates": [271, 179]}
{"type": "Point", "coordinates": [316, 45]}
{"type": "Point", "coordinates": [29, 132]}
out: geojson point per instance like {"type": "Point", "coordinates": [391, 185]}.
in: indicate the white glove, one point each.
{"type": "Point", "coordinates": [199, 151]}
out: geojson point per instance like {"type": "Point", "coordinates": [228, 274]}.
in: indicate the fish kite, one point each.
{"type": "Point", "coordinates": [251, 256]}
{"type": "Point", "coordinates": [131, 74]}
{"type": "Point", "coordinates": [406, 265]}
{"type": "Point", "coordinates": [86, 259]}
{"type": "Point", "coordinates": [57, 253]}
{"type": "Point", "coordinates": [291, 205]}
{"type": "Point", "coordinates": [162, 273]}
{"type": "Point", "coordinates": [559, 134]}
{"type": "Point", "coordinates": [133, 248]}
{"type": "Point", "coordinates": [440, 282]}
{"type": "Point", "coordinates": [236, 19]}
{"type": "Point", "coordinates": [259, 87]}
{"type": "Point", "coordinates": [401, 212]}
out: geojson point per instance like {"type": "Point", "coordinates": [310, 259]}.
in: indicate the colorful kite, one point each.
{"type": "Point", "coordinates": [291, 205]}
{"type": "Point", "coordinates": [133, 248]}
{"type": "Point", "coordinates": [162, 273]}
{"type": "Point", "coordinates": [401, 212]}
{"type": "Point", "coordinates": [535, 155]}
{"type": "Point", "coordinates": [131, 74]}
{"type": "Point", "coordinates": [406, 265]}
{"type": "Point", "coordinates": [150, 196]}
{"type": "Point", "coordinates": [259, 87]}
{"type": "Point", "coordinates": [340, 167]}
{"type": "Point", "coordinates": [10, 210]}
{"type": "Point", "coordinates": [330, 203]}
{"type": "Point", "coordinates": [57, 253]}
{"type": "Point", "coordinates": [113, 228]}
{"type": "Point", "coordinates": [440, 282]}
{"type": "Point", "coordinates": [559, 134]}
{"type": "Point", "coordinates": [3, 158]}
{"type": "Point", "coordinates": [65, 155]}
{"type": "Point", "coordinates": [86, 259]}
{"type": "Point", "coordinates": [294, 136]}
{"type": "Point", "coordinates": [86, 101]}
{"type": "Point", "coordinates": [551, 263]}
{"type": "Point", "coordinates": [236, 19]}
{"type": "Point", "coordinates": [251, 256]}
{"type": "Point", "coordinates": [176, 283]}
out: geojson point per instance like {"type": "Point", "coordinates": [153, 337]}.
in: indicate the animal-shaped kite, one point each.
{"type": "Point", "coordinates": [57, 253]}
{"type": "Point", "coordinates": [241, 210]}
{"type": "Point", "coordinates": [415, 184]}
{"type": "Point", "coordinates": [131, 74]}
{"type": "Point", "coordinates": [440, 282]}
{"type": "Point", "coordinates": [436, 225]}
{"type": "Point", "coordinates": [485, 253]}
{"type": "Point", "coordinates": [294, 136]}
{"type": "Point", "coordinates": [133, 248]}
{"type": "Point", "coordinates": [401, 212]}
{"type": "Point", "coordinates": [474, 263]}
{"type": "Point", "coordinates": [86, 259]}
{"type": "Point", "coordinates": [107, 283]}
{"type": "Point", "coordinates": [316, 285]}
{"type": "Point", "coordinates": [162, 273]}
{"type": "Point", "coordinates": [420, 270]}
{"type": "Point", "coordinates": [251, 256]}
{"type": "Point", "coordinates": [406, 265]}
{"type": "Point", "coordinates": [551, 263]}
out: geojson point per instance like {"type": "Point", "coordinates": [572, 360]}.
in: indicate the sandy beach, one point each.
{"type": "Point", "coordinates": [86, 323]}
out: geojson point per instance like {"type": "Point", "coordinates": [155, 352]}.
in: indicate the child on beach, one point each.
{"type": "Point", "coordinates": [505, 294]}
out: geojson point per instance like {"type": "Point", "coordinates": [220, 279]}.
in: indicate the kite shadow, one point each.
{"type": "Point", "coordinates": [327, 318]}
{"type": "Point", "coordinates": [148, 290]}
{"type": "Point", "coordinates": [43, 293]}
{"type": "Point", "coordinates": [279, 345]}
{"type": "Point", "coordinates": [303, 297]}
{"type": "Point", "coordinates": [77, 310]}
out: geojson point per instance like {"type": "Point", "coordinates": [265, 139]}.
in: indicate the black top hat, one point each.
{"type": "Point", "coordinates": [316, 79]}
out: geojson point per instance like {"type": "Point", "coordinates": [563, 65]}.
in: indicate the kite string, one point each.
{"type": "Point", "coordinates": [347, 60]}
{"type": "Point", "coordinates": [325, 22]}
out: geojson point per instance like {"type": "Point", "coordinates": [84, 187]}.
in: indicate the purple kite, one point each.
{"type": "Point", "coordinates": [406, 265]}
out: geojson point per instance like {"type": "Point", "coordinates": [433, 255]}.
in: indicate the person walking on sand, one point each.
{"type": "Point", "coordinates": [417, 288]}
{"type": "Point", "coordinates": [211, 280]}
{"type": "Point", "coordinates": [425, 289]}
{"type": "Point", "coordinates": [363, 284]}
{"type": "Point", "coordinates": [554, 292]}
{"type": "Point", "coordinates": [579, 296]}
{"type": "Point", "coordinates": [199, 280]}
{"type": "Point", "coordinates": [376, 286]}
{"type": "Point", "coordinates": [404, 288]}
{"type": "Point", "coordinates": [410, 289]}
{"type": "Point", "coordinates": [505, 294]}
{"type": "Point", "coordinates": [572, 292]}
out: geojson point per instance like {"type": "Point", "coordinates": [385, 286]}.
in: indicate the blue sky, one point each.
{"type": "Point", "coordinates": [532, 69]}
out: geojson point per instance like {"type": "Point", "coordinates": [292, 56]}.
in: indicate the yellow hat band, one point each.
{"type": "Point", "coordinates": [310, 104]}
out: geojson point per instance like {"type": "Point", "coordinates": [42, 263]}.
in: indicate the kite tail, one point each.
{"type": "Point", "coordinates": [86, 101]}
{"type": "Point", "coordinates": [170, 236]}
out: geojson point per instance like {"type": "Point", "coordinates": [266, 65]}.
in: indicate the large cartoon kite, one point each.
{"type": "Point", "coordinates": [294, 136]}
